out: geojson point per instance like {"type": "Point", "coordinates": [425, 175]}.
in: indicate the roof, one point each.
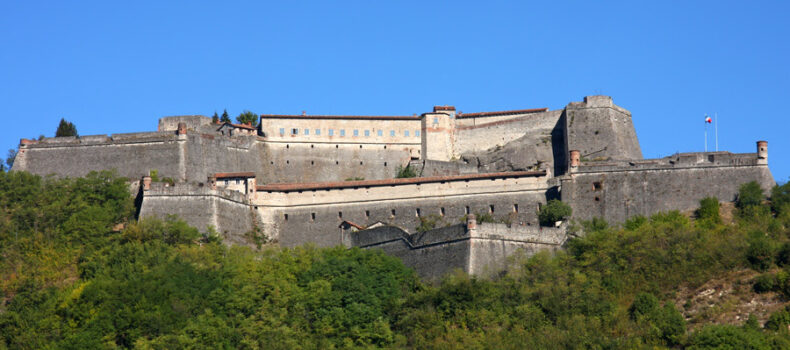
{"type": "Point", "coordinates": [370, 117]}
{"type": "Point", "coordinates": [240, 126]}
{"type": "Point", "coordinates": [289, 187]}
{"type": "Point", "coordinates": [349, 223]}
{"type": "Point", "coordinates": [493, 114]}
{"type": "Point", "coordinates": [238, 174]}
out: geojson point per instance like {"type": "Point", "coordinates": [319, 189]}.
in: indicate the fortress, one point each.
{"type": "Point", "coordinates": [331, 180]}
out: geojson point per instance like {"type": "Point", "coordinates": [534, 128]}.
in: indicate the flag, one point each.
{"type": "Point", "coordinates": [708, 119]}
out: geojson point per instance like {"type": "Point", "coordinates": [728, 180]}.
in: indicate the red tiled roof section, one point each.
{"type": "Point", "coordinates": [493, 114]}
{"type": "Point", "coordinates": [370, 117]}
{"type": "Point", "coordinates": [287, 187]}
{"type": "Point", "coordinates": [349, 223]}
{"type": "Point", "coordinates": [443, 108]}
{"type": "Point", "coordinates": [247, 126]}
{"type": "Point", "coordinates": [239, 174]}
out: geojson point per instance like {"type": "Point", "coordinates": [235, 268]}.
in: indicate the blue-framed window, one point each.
{"type": "Point", "coordinates": [406, 133]}
{"type": "Point", "coordinates": [392, 133]}
{"type": "Point", "coordinates": [282, 131]}
{"type": "Point", "coordinates": [331, 132]}
{"type": "Point", "coordinates": [306, 132]}
{"type": "Point", "coordinates": [356, 132]}
{"type": "Point", "coordinates": [381, 132]}
{"type": "Point", "coordinates": [342, 132]}
{"type": "Point", "coordinates": [417, 133]}
{"type": "Point", "coordinates": [318, 131]}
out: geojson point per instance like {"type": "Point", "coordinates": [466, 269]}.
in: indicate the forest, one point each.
{"type": "Point", "coordinates": [77, 271]}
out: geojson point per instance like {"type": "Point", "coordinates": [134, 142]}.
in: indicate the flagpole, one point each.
{"type": "Point", "coordinates": [716, 127]}
{"type": "Point", "coordinates": [706, 136]}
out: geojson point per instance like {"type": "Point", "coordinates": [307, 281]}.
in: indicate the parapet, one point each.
{"type": "Point", "coordinates": [191, 122]}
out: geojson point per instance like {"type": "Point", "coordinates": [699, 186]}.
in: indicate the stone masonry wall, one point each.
{"type": "Point", "coordinates": [618, 193]}
{"type": "Point", "coordinates": [132, 155]}
{"type": "Point", "coordinates": [601, 130]}
{"type": "Point", "coordinates": [227, 211]}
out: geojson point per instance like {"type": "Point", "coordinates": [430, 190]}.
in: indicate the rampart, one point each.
{"type": "Point", "coordinates": [476, 248]}
{"type": "Point", "coordinates": [300, 213]}
{"type": "Point", "coordinates": [618, 190]}
{"type": "Point", "coordinates": [229, 212]}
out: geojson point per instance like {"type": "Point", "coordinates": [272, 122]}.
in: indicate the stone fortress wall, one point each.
{"type": "Point", "coordinates": [476, 248]}
{"type": "Point", "coordinates": [298, 213]}
{"type": "Point", "coordinates": [316, 176]}
{"type": "Point", "coordinates": [619, 190]}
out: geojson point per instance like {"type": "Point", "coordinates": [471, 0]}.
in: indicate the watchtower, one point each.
{"type": "Point", "coordinates": [438, 134]}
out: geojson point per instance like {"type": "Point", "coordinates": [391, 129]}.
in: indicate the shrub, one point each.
{"type": "Point", "coordinates": [709, 209]}
{"type": "Point", "coordinates": [749, 194]}
{"type": "Point", "coordinates": [779, 319]}
{"type": "Point", "coordinates": [406, 172]}
{"type": "Point", "coordinates": [644, 304]}
{"type": "Point", "coordinates": [764, 283]}
{"type": "Point", "coordinates": [428, 223]}
{"type": "Point", "coordinates": [553, 211]}
{"type": "Point", "coordinates": [760, 251]}
{"type": "Point", "coordinates": [780, 198]}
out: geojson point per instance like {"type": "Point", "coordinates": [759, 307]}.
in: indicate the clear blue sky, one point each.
{"type": "Point", "coordinates": [114, 66]}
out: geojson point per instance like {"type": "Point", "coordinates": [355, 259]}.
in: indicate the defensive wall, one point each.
{"type": "Point", "coordinates": [228, 211]}
{"type": "Point", "coordinates": [476, 248]}
{"type": "Point", "coordinates": [298, 213]}
{"type": "Point", "coordinates": [618, 190]}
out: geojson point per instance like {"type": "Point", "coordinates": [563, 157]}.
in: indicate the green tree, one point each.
{"type": "Point", "coordinates": [554, 211]}
{"type": "Point", "coordinates": [760, 251]}
{"type": "Point", "coordinates": [215, 118]}
{"type": "Point", "coordinates": [225, 118]}
{"type": "Point", "coordinates": [10, 157]}
{"type": "Point", "coordinates": [749, 194]}
{"type": "Point", "coordinates": [780, 198]}
{"type": "Point", "coordinates": [247, 117]}
{"type": "Point", "coordinates": [709, 209]}
{"type": "Point", "coordinates": [66, 128]}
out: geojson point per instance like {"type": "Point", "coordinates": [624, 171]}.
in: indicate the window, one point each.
{"type": "Point", "coordinates": [226, 182]}
{"type": "Point", "coordinates": [282, 131]}
{"type": "Point", "coordinates": [342, 132]}
{"type": "Point", "coordinates": [340, 215]}
{"type": "Point", "coordinates": [515, 208]}
{"type": "Point", "coordinates": [417, 212]}
{"type": "Point", "coordinates": [597, 186]}
{"type": "Point", "coordinates": [238, 181]}
{"type": "Point", "coordinates": [392, 133]}
{"type": "Point", "coordinates": [294, 131]}
{"type": "Point", "coordinates": [417, 133]}
{"type": "Point", "coordinates": [367, 214]}
{"type": "Point", "coordinates": [312, 216]}
{"type": "Point", "coordinates": [285, 216]}
{"type": "Point", "coordinates": [491, 208]}
{"type": "Point", "coordinates": [406, 133]}
{"type": "Point", "coordinates": [318, 131]}
{"type": "Point", "coordinates": [466, 210]}
{"type": "Point", "coordinates": [367, 133]}
{"type": "Point", "coordinates": [435, 120]}
{"type": "Point", "coordinates": [393, 212]}
{"type": "Point", "coordinates": [306, 132]}
{"type": "Point", "coordinates": [356, 132]}
{"type": "Point", "coordinates": [331, 132]}
{"type": "Point", "coordinates": [441, 211]}
{"type": "Point", "coordinates": [380, 133]}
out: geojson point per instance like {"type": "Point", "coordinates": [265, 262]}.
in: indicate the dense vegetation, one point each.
{"type": "Point", "coordinates": [70, 278]}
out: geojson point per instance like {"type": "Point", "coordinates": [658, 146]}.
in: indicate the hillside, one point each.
{"type": "Point", "coordinates": [72, 278]}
